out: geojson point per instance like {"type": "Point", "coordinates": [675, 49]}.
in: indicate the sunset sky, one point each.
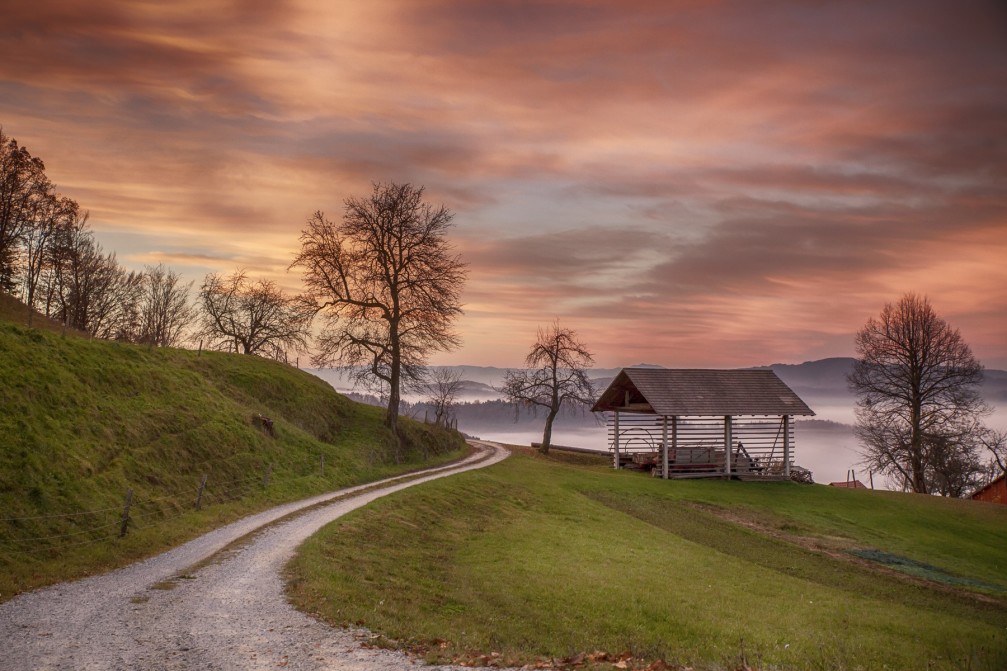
{"type": "Point", "coordinates": [692, 183]}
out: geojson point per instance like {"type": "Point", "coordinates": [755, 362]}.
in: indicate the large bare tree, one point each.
{"type": "Point", "coordinates": [240, 315]}
{"type": "Point", "coordinates": [555, 375]}
{"type": "Point", "coordinates": [918, 404]}
{"type": "Point", "coordinates": [387, 283]}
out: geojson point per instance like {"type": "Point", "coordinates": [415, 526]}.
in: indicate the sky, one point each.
{"type": "Point", "coordinates": [693, 184]}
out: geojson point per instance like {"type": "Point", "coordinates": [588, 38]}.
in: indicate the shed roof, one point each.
{"type": "Point", "coordinates": [997, 482]}
{"type": "Point", "coordinates": [699, 392]}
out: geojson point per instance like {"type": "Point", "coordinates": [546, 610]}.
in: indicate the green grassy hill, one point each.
{"type": "Point", "coordinates": [83, 421]}
{"type": "Point", "coordinates": [559, 561]}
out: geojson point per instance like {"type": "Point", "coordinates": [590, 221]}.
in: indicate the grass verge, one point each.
{"type": "Point", "coordinates": [543, 561]}
{"type": "Point", "coordinates": [83, 422]}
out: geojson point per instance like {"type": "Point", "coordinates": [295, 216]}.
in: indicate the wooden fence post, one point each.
{"type": "Point", "coordinates": [321, 466]}
{"type": "Point", "coordinates": [269, 474]}
{"type": "Point", "coordinates": [199, 496]}
{"type": "Point", "coordinates": [125, 513]}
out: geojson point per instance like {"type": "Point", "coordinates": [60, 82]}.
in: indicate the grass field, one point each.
{"type": "Point", "coordinates": [559, 559]}
{"type": "Point", "coordinates": [82, 422]}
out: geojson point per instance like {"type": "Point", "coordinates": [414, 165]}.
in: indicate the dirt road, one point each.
{"type": "Point", "coordinates": [230, 614]}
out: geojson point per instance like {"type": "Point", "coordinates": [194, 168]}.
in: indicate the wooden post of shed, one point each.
{"type": "Point", "coordinates": [786, 445]}
{"type": "Point", "coordinates": [615, 443]}
{"type": "Point", "coordinates": [727, 445]}
{"type": "Point", "coordinates": [664, 447]}
{"type": "Point", "coordinates": [674, 439]}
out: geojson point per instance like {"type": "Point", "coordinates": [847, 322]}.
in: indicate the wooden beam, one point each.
{"type": "Point", "coordinates": [674, 434]}
{"type": "Point", "coordinates": [727, 445]}
{"type": "Point", "coordinates": [664, 447]}
{"type": "Point", "coordinates": [786, 445]}
{"type": "Point", "coordinates": [639, 407]}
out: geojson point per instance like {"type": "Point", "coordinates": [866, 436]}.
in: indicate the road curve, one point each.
{"type": "Point", "coordinates": [162, 613]}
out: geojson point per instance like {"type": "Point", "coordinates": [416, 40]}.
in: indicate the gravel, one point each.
{"type": "Point", "coordinates": [228, 613]}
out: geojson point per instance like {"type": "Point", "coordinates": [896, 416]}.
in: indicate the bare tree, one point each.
{"type": "Point", "coordinates": [51, 215]}
{"type": "Point", "coordinates": [388, 285]}
{"type": "Point", "coordinates": [94, 293]}
{"type": "Point", "coordinates": [445, 385]}
{"type": "Point", "coordinates": [918, 403]}
{"type": "Point", "coordinates": [995, 443]}
{"type": "Point", "coordinates": [22, 184]}
{"type": "Point", "coordinates": [239, 315]}
{"type": "Point", "coordinates": [954, 466]}
{"type": "Point", "coordinates": [164, 310]}
{"type": "Point", "coordinates": [555, 376]}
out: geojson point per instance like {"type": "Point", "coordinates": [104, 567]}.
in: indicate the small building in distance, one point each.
{"type": "Point", "coordinates": [848, 484]}
{"type": "Point", "coordinates": [694, 423]}
{"type": "Point", "coordinates": [994, 492]}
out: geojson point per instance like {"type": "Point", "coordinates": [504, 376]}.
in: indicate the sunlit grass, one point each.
{"type": "Point", "coordinates": [534, 559]}
{"type": "Point", "coordinates": [82, 422]}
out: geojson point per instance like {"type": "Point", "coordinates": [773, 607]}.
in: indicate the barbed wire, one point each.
{"type": "Point", "coordinates": [55, 515]}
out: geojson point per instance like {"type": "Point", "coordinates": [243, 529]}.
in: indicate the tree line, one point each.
{"type": "Point", "coordinates": [384, 284]}
{"type": "Point", "coordinates": [49, 258]}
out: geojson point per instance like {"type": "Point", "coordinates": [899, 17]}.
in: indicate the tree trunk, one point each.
{"type": "Point", "coordinates": [392, 413]}
{"type": "Point", "coordinates": [547, 433]}
{"type": "Point", "coordinates": [916, 450]}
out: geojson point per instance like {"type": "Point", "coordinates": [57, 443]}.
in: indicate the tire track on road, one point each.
{"type": "Point", "coordinates": [230, 612]}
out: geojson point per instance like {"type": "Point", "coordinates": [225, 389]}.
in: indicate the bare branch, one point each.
{"type": "Point", "coordinates": [555, 376]}
{"type": "Point", "coordinates": [387, 285]}
{"type": "Point", "coordinates": [239, 315]}
{"type": "Point", "coordinates": [918, 405]}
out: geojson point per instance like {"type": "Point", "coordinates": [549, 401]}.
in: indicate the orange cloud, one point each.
{"type": "Point", "coordinates": [691, 183]}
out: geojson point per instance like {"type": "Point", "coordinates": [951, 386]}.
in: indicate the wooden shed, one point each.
{"type": "Point", "coordinates": [994, 492]}
{"type": "Point", "coordinates": [688, 423]}
{"type": "Point", "coordinates": [848, 484]}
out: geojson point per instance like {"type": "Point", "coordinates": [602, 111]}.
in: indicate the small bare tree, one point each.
{"type": "Point", "coordinates": [445, 385]}
{"type": "Point", "coordinates": [51, 215]}
{"type": "Point", "coordinates": [94, 293]}
{"type": "Point", "coordinates": [164, 312]}
{"type": "Point", "coordinates": [555, 376]}
{"type": "Point", "coordinates": [387, 284]}
{"type": "Point", "coordinates": [918, 403]}
{"type": "Point", "coordinates": [239, 315]}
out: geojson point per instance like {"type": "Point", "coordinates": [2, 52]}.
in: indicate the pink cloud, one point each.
{"type": "Point", "coordinates": [672, 170]}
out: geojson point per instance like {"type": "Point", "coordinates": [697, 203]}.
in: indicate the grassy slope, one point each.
{"type": "Point", "coordinates": [82, 421]}
{"type": "Point", "coordinates": [536, 558]}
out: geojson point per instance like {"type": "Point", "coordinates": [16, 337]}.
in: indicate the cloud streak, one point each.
{"type": "Point", "coordinates": [692, 183]}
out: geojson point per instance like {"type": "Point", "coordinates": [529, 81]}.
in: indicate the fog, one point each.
{"type": "Point", "coordinates": [824, 444]}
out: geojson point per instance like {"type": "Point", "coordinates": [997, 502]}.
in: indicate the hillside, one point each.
{"type": "Point", "coordinates": [559, 561]}
{"type": "Point", "coordinates": [84, 422]}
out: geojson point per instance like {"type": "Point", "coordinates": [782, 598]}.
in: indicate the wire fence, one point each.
{"type": "Point", "coordinates": [30, 534]}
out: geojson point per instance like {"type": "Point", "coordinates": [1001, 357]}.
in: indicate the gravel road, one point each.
{"type": "Point", "coordinates": [231, 613]}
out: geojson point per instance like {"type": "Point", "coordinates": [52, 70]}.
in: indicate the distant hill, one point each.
{"type": "Point", "coordinates": [827, 377]}
{"type": "Point", "coordinates": [822, 383]}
